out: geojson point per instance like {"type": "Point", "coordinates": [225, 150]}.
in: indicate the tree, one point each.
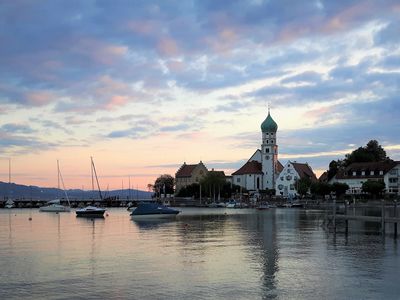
{"type": "Point", "coordinates": [371, 152]}
{"type": "Point", "coordinates": [373, 188]}
{"type": "Point", "coordinates": [213, 182]}
{"type": "Point", "coordinates": [164, 184]}
{"type": "Point", "coordinates": [192, 190]}
{"type": "Point", "coordinates": [334, 167]}
{"type": "Point", "coordinates": [303, 185]}
{"type": "Point", "coordinates": [320, 188]}
{"type": "Point", "coordinates": [339, 188]}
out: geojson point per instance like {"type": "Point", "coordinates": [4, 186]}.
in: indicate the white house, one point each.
{"type": "Point", "coordinates": [357, 173]}
{"type": "Point", "coordinates": [286, 181]}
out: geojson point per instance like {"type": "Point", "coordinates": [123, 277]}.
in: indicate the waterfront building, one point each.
{"type": "Point", "coordinates": [357, 173]}
{"type": "Point", "coordinates": [286, 182]}
{"type": "Point", "coordinates": [189, 174]}
{"type": "Point", "coordinates": [262, 168]}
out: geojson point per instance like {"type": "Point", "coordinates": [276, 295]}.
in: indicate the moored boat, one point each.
{"type": "Point", "coordinates": [90, 211]}
{"type": "Point", "coordinates": [55, 206]}
{"type": "Point", "coordinates": [153, 210]}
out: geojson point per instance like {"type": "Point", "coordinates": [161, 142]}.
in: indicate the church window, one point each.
{"type": "Point", "coordinates": [272, 134]}
{"type": "Point", "coordinates": [272, 141]}
{"type": "Point", "coordinates": [266, 150]}
{"type": "Point", "coordinates": [267, 141]}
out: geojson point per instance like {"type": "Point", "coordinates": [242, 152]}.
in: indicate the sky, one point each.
{"type": "Point", "coordinates": [143, 86]}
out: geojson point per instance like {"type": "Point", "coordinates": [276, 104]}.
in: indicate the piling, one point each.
{"type": "Point", "coordinates": [395, 216]}
{"type": "Point", "coordinates": [383, 217]}
{"type": "Point", "coordinates": [346, 203]}
{"type": "Point", "coordinates": [334, 215]}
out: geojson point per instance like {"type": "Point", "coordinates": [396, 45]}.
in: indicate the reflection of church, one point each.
{"type": "Point", "coordinates": [264, 171]}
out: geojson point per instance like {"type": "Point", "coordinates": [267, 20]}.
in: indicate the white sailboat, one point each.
{"type": "Point", "coordinates": [9, 203]}
{"type": "Point", "coordinates": [55, 205]}
{"type": "Point", "coordinates": [92, 211]}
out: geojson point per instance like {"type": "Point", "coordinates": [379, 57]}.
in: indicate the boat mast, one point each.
{"type": "Point", "coordinates": [97, 180]}
{"type": "Point", "coordinates": [9, 171]}
{"type": "Point", "coordinates": [62, 181]}
{"type": "Point", "coordinates": [58, 174]}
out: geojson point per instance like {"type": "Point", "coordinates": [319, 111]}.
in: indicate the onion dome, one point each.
{"type": "Point", "coordinates": [269, 125]}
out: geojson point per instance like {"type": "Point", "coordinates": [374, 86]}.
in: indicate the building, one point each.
{"type": "Point", "coordinates": [357, 173]}
{"type": "Point", "coordinates": [189, 174]}
{"type": "Point", "coordinates": [263, 167]}
{"type": "Point", "coordinates": [293, 171]}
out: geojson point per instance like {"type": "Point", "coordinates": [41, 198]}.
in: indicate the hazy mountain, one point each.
{"type": "Point", "coordinates": [19, 191]}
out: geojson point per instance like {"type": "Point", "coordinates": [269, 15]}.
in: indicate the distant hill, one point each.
{"type": "Point", "coordinates": [19, 191]}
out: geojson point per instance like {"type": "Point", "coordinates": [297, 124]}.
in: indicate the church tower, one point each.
{"type": "Point", "coordinates": [269, 152]}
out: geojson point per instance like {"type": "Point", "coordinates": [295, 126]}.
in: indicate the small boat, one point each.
{"type": "Point", "coordinates": [231, 204]}
{"type": "Point", "coordinates": [263, 206]}
{"type": "Point", "coordinates": [9, 204]}
{"type": "Point", "coordinates": [55, 206]}
{"type": "Point", "coordinates": [90, 211]}
{"type": "Point", "coordinates": [153, 210]}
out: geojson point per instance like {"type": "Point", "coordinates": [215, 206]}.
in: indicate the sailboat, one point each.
{"type": "Point", "coordinates": [55, 205]}
{"type": "Point", "coordinates": [92, 211]}
{"type": "Point", "coordinates": [9, 203]}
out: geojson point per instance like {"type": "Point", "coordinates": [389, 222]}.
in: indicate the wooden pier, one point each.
{"type": "Point", "coordinates": [383, 219]}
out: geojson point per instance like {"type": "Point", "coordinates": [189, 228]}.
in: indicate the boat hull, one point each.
{"type": "Point", "coordinates": [90, 212]}
{"type": "Point", "coordinates": [58, 208]}
{"type": "Point", "coordinates": [154, 216]}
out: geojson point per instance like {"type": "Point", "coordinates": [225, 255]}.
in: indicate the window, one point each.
{"type": "Point", "coordinates": [393, 172]}
{"type": "Point", "coordinates": [267, 141]}
{"type": "Point", "coordinates": [380, 172]}
{"type": "Point", "coordinates": [272, 134]}
{"type": "Point", "coordinates": [371, 172]}
{"type": "Point", "coordinates": [272, 141]}
{"type": "Point", "coordinates": [266, 150]}
{"type": "Point", "coordinates": [282, 178]}
{"type": "Point", "coordinates": [363, 173]}
{"type": "Point", "coordinates": [266, 157]}
{"type": "Point", "coordinates": [292, 187]}
{"type": "Point", "coordinates": [280, 186]}
{"type": "Point", "coordinates": [238, 179]}
{"type": "Point", "coordinates": [354, 173]}
{"type": "Point", "coordinates": [393, 180]}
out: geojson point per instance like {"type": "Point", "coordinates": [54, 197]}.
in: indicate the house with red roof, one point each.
{"type": "Point", "coordinates": [189, 174]}
{"type": "Point", "coordinates": [287, 179]}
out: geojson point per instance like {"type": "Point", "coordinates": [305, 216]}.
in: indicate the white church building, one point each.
{"type": "Point", "coordinates": [262, 170]}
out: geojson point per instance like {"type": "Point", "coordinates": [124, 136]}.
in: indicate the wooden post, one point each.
{"type": "Point", "coordinates": [395, 215]}
{"type": "Point", "coordinates": [383, 217]}
{"type": "Point", "coordinates": [334, 215]}
{"type": "Point", "coordinates": [345, 213]}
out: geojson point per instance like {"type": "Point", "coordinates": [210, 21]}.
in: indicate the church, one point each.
{"type": "Point", "coordinates": [264, 171]}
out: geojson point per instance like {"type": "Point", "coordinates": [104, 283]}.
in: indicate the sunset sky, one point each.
{"type": "Point", "coordinates": [143, 86]}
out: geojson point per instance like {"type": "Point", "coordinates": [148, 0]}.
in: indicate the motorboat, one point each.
{"type": "Point", "coordinates": [231, 204]}
{"type": "Point", "coordinates": [90, 211]}
{"type": "Point", "coordinates": [153, 210]}
{"type": "Point", "coordinates": [55, 206]}
{"type": "Point", "coordinates": [263, 206]}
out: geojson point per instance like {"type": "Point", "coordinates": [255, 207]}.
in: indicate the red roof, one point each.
{"type": "Point", "coordinates": [304, 171]}
{"type": "Point", "coordinates": [279, 167]}
{"type": "Point", "coordinates": [323, 177]}
{"type": "Point", "coordinates": [185, 170]}
{"type": "Point", "coordinates": [251, 167]}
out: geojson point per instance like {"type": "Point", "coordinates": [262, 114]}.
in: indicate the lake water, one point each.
{"type": "Point", "coordinates": [203, 254]}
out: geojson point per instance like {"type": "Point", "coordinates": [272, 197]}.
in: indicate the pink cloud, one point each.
{"type": "Point", "coordinates": [116, 101]}
{"type": "Point", "coordinates": [39, 98]}
{"type": "Point", "coordinates": [167, 46]}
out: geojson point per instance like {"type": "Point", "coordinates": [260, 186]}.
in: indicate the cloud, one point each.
{"type": "Point", "coordinates": [17, 128]}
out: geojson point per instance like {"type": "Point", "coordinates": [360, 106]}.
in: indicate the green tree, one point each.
{"type": "Point", "coordinates": [334, 167]}
{"type": "Point", "coordinates": [213, 183]}
{"type": "Point", "coordinates": [373, 188]}
{"type": "Point", "coordinates": [164, 184]}
{"type": "Point", "coordinates": [371, 152]}
{"type": "Point", "coordinates": [303, 185]}
{"type": "Point", "coordinates": [339, 188]}
{"type": "Point", "coordinates": [320, 188]}
{"type": "Point", "coordinates": [192, 190]}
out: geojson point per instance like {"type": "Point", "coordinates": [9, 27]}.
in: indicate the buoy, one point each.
{"type": "Point", "coordinates": [106, 215]}
{"type": "Point", "coordinates": [30, 219]}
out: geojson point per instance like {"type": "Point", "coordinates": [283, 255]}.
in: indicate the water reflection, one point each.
{"type": "Point", "coordinates": [203, 254]}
